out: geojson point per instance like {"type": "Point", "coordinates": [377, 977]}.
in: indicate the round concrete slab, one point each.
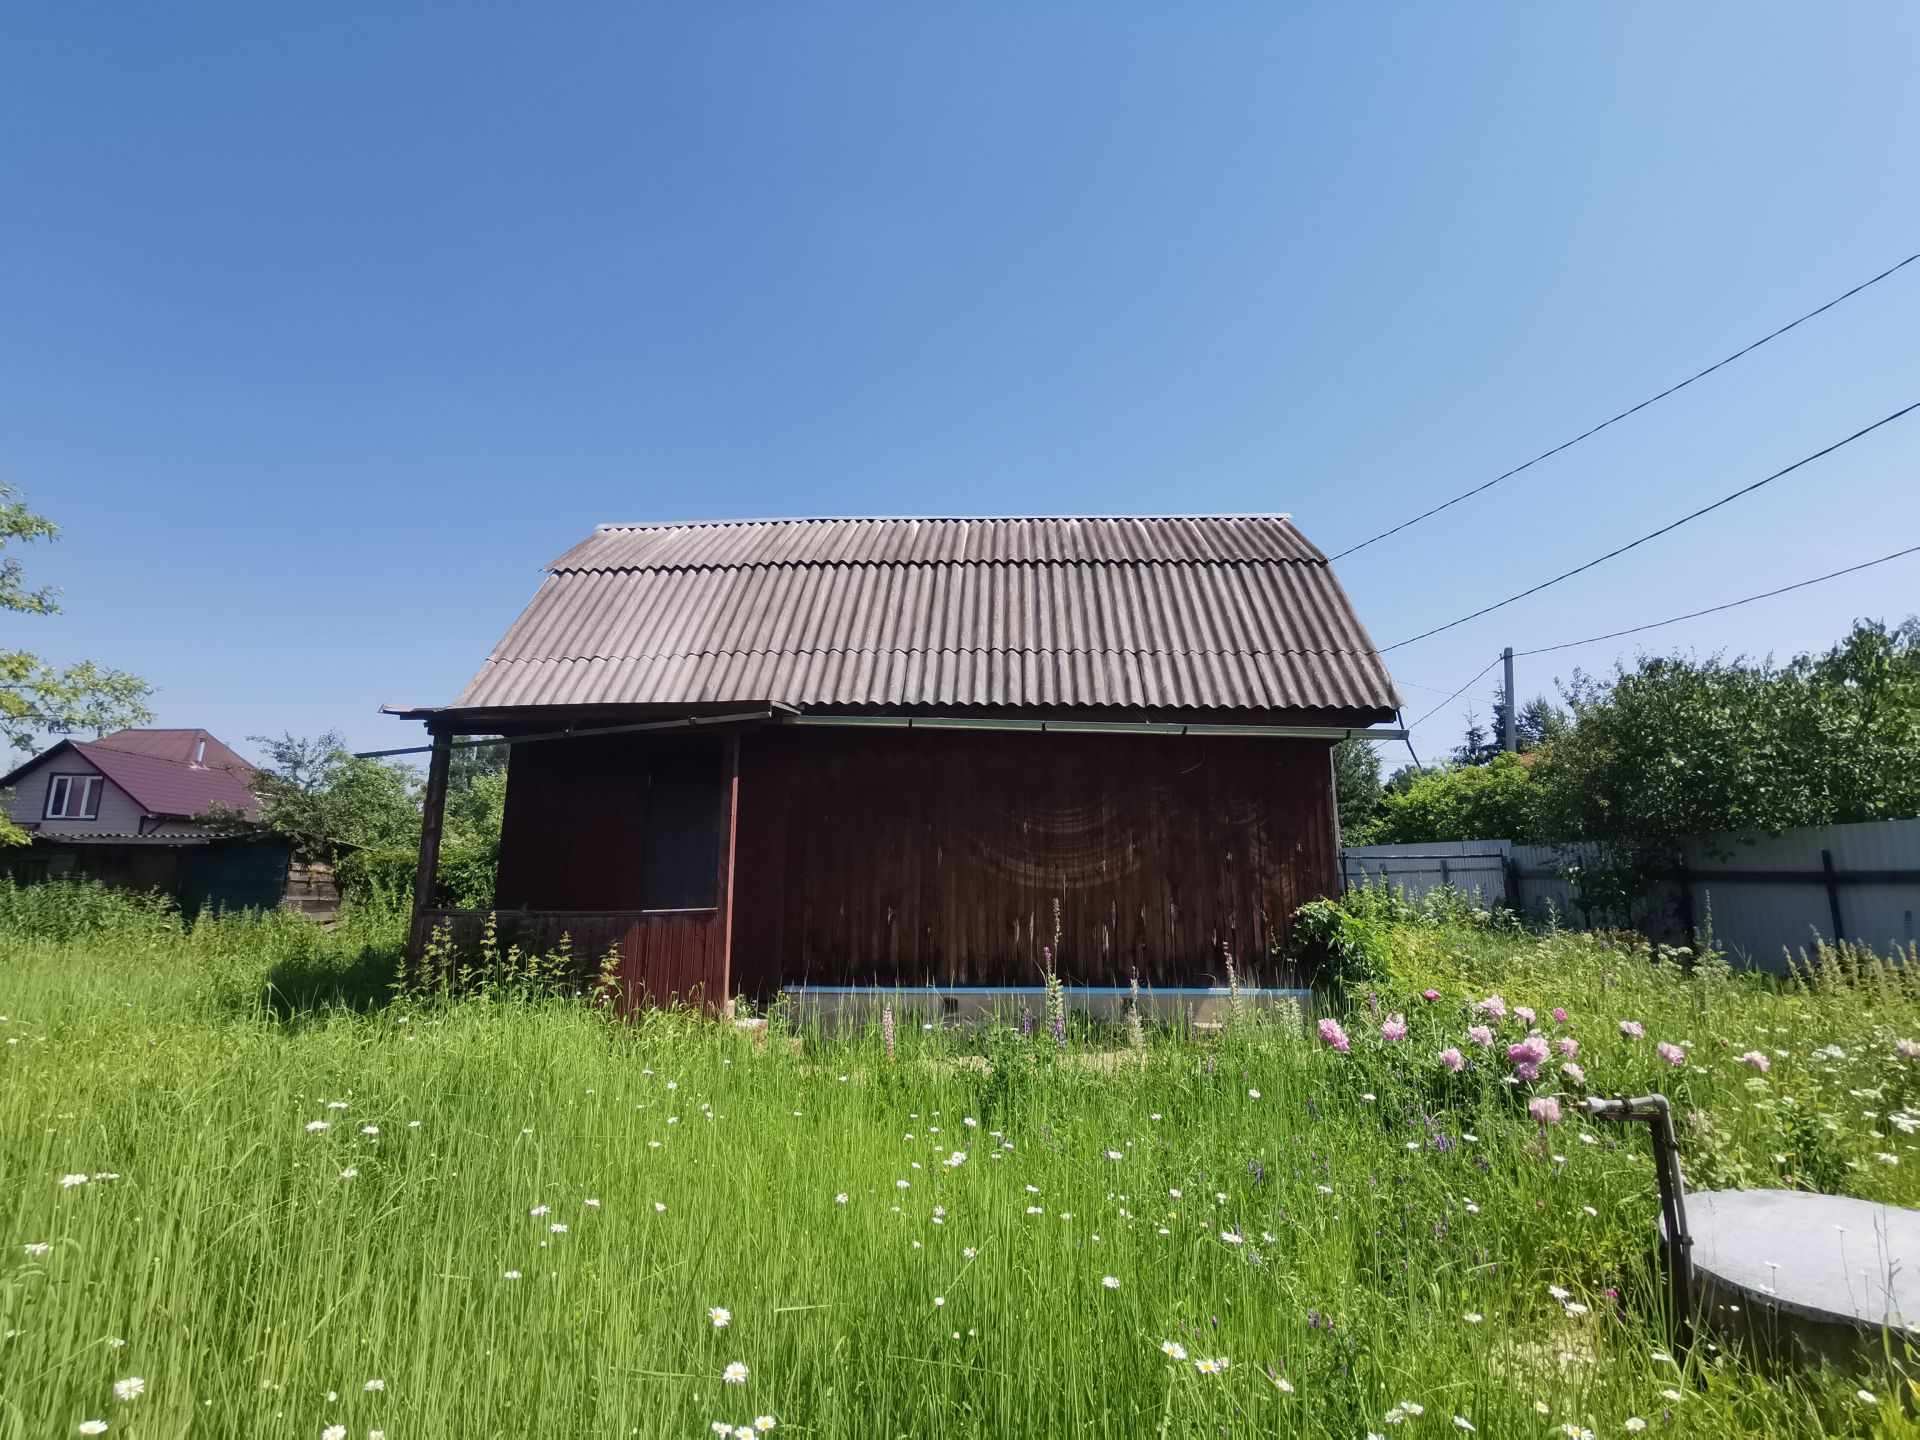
{"type": "Point", "coordinates": [1824, 1257]}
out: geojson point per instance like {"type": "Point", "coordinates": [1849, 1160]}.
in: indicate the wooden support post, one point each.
{"type": "Point", "coordinates": [432, 822]}
{"type": "Point", "coordinates": [729, 824]}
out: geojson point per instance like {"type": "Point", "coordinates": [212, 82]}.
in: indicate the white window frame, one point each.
{"type": "Point", "coordinates": [67, 787]}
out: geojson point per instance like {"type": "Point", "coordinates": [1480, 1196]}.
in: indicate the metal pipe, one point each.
{"type": "Point", "coordinates": [1094, 727]}
{"type": "Point", "coordinates": [1657, 1115]}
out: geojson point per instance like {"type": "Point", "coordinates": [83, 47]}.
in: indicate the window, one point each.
{"type": "Point", "coordinates": [680, 869]}
{"type": "Point", "coordinates": [73, 797]}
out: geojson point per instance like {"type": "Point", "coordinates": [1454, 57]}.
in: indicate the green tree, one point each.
{"type": "Point", "coordinates": [1499, 800]}
{"type": "Point", "coordinates": [325, 801]}
{"type": "Point", "coordinates": [38, 699]}
{"type": "Point", "coordinates": [1356, 783]}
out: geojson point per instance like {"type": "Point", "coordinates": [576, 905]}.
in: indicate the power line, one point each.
{"type": "Point", "coordinates": [1586, 434]}
{"type": "Point", "coordinates": [1655, 534]}
{"type": "Point", "coordinates": [1455, 695]}
{"type": "Point", "coordinates": [1716, 609]}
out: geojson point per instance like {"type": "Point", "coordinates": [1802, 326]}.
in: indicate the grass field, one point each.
{"type": "Point", "coordinates": [324, 1216]}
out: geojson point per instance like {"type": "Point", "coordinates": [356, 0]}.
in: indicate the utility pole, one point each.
{"type": "Point", "coordinates": [1509, 730]}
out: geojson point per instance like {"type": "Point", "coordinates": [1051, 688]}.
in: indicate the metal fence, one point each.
{"type": "Point", "coordinates": [1765, 896]}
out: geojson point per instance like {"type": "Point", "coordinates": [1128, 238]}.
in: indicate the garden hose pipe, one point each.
{"type": "Point", "coordinates": [1657, 1115]}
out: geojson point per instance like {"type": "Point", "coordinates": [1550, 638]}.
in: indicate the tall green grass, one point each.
{"type": "Point", "coordinates": [1340, 1220]}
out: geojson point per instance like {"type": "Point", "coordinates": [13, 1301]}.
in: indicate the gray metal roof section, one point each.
{"type": "Point", "coordinates": [1174, 612]}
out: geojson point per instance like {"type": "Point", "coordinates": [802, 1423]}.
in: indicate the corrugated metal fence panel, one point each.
{"type": "Point", "coordinates": [1763, 919]}
{"type": "Point", "coordinates": [1765, 896]}
{"type": "Point", "coordinates": [1477, 867]}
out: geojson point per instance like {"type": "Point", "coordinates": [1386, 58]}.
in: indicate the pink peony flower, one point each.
{"type": "Point", "coordinates": [1527, 1071]}
{"type": "Point", "coordinates": [1331, 1032]}
{"type": "Point", "coordinates": [1429, 995]}
{"type": "Point", "coordinates": [1632, 1029]}
{"type": "Point", "coordinates": [1559, 1014]}
{"type": "Point", "coordinates": [1545, 1109]}
{"type": "Point", "coordinates": [1907, 1049]}
{"type": "Point", "coordinates": [1756, 1060]}
{"type": "Point", "coordinates": [1524, 1014]}
{"type": "Point", "coordinates": [1480, 1035]}
{"type": "Point", "coordinates": [1672, 1054]}
{"type": "Point", "coordinates": [1574, 1073]}
{"type": "Point", "coordinates": [1567, 1046]}
{"type": "Point", "coordinates": [1493, 1005]}
{"type": "Point", "coordinates": [1453, 1060]}
{"type": "Point", "coordinates": [1530, 1051]}
{"type": "Point", "coordinates": [1395, 1028]}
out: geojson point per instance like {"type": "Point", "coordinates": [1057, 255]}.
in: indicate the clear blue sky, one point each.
{"type": "Point", "coordinates": [322, 328]}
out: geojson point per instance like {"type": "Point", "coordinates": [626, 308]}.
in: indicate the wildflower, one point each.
{"type": "Point", "coordinates": [1545, 1109]}
{"type": "Point", "coordinates": [1460, 1422]}
{"type": "Point", "coordinates": [336, 1104]}
{"type": "Point", "coordinates": [765, 1423]}
{"type": "Point", "coordinates": [1473, 1317]}
{"type": "Point", "coordinates": [1453, 1059]}
{"type": "Point", "coordinates": [720, 1427]}
{"type": "Point", "coordinates": [334, 1432]}
{"type": "Point", "coordinates": [1559, 1014]}
{"type": "Point", "coordinates": [968, 1253]}
{"type": "Point", "coordinates": [374, 1387]}
{"type": "Point", "coordinates": [1284, 1385]}
{"type": "Point", "coordinates": [36, 1248]}
{"type": "Point", "coordinates": [1394, 1028]}
{"type": "Point", "coordinates": [1559, 1293]}
{"type": "Point", "coordinates": [1635, 1424]}
{"type": "Point", "coordinates": [1568, 1046]}
{"type": "Point", "coordinates": [1632, 1029]}
{"type": "Point", "coordinates": [1233, 1237]}
{"type": "Point", "coordinates": [720, 1316]}
{"type": "Point", "coordinates": [591, 1203]}
{"type": "Point", "coordinates": [1173, 1350]}
{"type": "Point", "coordinates": [369, 1129]}
{"type": "Point", "coordinates": [841, 1198]}
{"type": "Point", "coordinates": [659, 1208]}
{"type": "Point", "coordinates": [510, 1275]}
{"type": "Point", "coordinates": [93, 1427]}
{"type": "Point", "coordinates": [1253, 1094]}
{"type": "Point", "coordinates": [1756, 1060]}
{"type": "Point", "coordinates": [539, 1210]}
{"type": "Point", "coordinates": [1540, 1407]}
{"type": "Point", "coordinates": [1112, 1282]}
{"type": "Point", "coordinates": [1576, 1075]}
{"type": "Point", "coordinates": [1429, 995]}
{"type": "Point", "coordinates": [1524, 1014]}
{"type": "Point", "coordinates": [1907, 1049]}
{"type": "Point", "coordinates": [938, 1301]}
{"type": "Point", "coordinates": [1672, 1054]}
{"type": "Point", "coordinates": [1867, 1397]}
{"type": "Point", "coordinates": [131, 1388]}
{"type": "Point", "coordinates": [1493, 1005]}
{"type": "Point", "coordinates": [1336, 1038]}
{"type": "Point", "coordinates": [350, 1173]}
{"type": "Point", "coordinates": [1210, 1365]}
{"type": "Point", "coordinates": [67, 1182]}
{"type": "Point", "coordinates": [1529, 1054]}
{"type": "Point", "coordinates": [735, 1374]}
{"type": "Point", "coordinates": [1481, 1036]}
{"type": "Point", "coordinates": [902, 1184]}
{"type": "Point", "coordinates": [315, 1126]}
{"type": "Point", "coordinates": [1672, 1397]}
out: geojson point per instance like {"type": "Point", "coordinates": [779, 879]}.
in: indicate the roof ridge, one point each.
{"type": "Point", "coordinates": [607, 525]}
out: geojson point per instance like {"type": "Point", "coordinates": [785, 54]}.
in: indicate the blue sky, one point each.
{"type": "Point", "coordinates": [322, 329]}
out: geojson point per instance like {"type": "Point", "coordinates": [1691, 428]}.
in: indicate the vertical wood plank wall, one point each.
{"type": "Point", "coordinates": [925, 857]}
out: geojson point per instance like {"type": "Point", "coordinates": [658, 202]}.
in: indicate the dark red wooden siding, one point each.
{"type": "Point", "coordinates": [915, 857]}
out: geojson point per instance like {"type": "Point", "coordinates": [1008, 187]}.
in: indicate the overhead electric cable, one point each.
{"type": "Point", "coordinates": [1455, 695]}
{"type": "Point", "coordinates": [1586, 434]}
{"type": "Point", "coordinates": [1716, 609]}
{"type": "Point", "coordinates": [1655, 534]}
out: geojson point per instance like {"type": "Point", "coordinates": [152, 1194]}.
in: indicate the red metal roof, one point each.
{"type": "Point", "coordinates": [162, 786]}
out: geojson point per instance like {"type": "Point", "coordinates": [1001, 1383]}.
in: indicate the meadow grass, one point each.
{"type": "Point", "coordinates": [517, 1217]}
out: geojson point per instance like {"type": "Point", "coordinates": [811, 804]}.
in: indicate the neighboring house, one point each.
{"type": "Point", "coordinates": [766, 755]}
{"type": "Point", "coordinates": [130, 809]}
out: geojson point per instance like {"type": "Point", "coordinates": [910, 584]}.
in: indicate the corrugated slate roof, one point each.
{"type": "Point", "coordinates": [1173, 612]}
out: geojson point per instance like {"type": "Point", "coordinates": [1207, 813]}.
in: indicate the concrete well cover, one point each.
{"type": "Point", "coordinates": [1826, 1257]}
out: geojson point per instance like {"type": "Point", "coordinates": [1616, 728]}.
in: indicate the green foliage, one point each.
{"type": "Point", "coordinates": [69, 910]}
{"type": "Point", "coordinates": [325, 801]}
{"type": "Point", "coordinates": [1356, 783]}
{"type": "Point", "coordinates": [1338, 947]}
{"type": "Point", "coordinates": [1495, 801]}
{"type": "Point", "coordinates": [38, 699]}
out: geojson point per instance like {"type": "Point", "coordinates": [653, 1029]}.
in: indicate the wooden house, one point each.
{"type": "Point", "coordinates": [910, 752]}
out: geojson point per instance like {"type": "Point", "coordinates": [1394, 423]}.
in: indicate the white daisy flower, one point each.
{"type": "Point", "coordinates": [1112, 1282]}
{"type": "Point", "coordinates": [735, 1374]}
{"type": "Point", "coordinates": [131, 1388]}
{"type": "Point", "coordinates": [67, 1182]}
{"type": "Point", "coordinates": [93, 1427]}
{"type": "Point", "coordinates": [373, 1387]}
{"type": "Point", "coordinates": [720, 1316]}
{"type": "Point", "coordinates": [314, 1127]}
{"type": "Point", "coordinates": [765, 1423]}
